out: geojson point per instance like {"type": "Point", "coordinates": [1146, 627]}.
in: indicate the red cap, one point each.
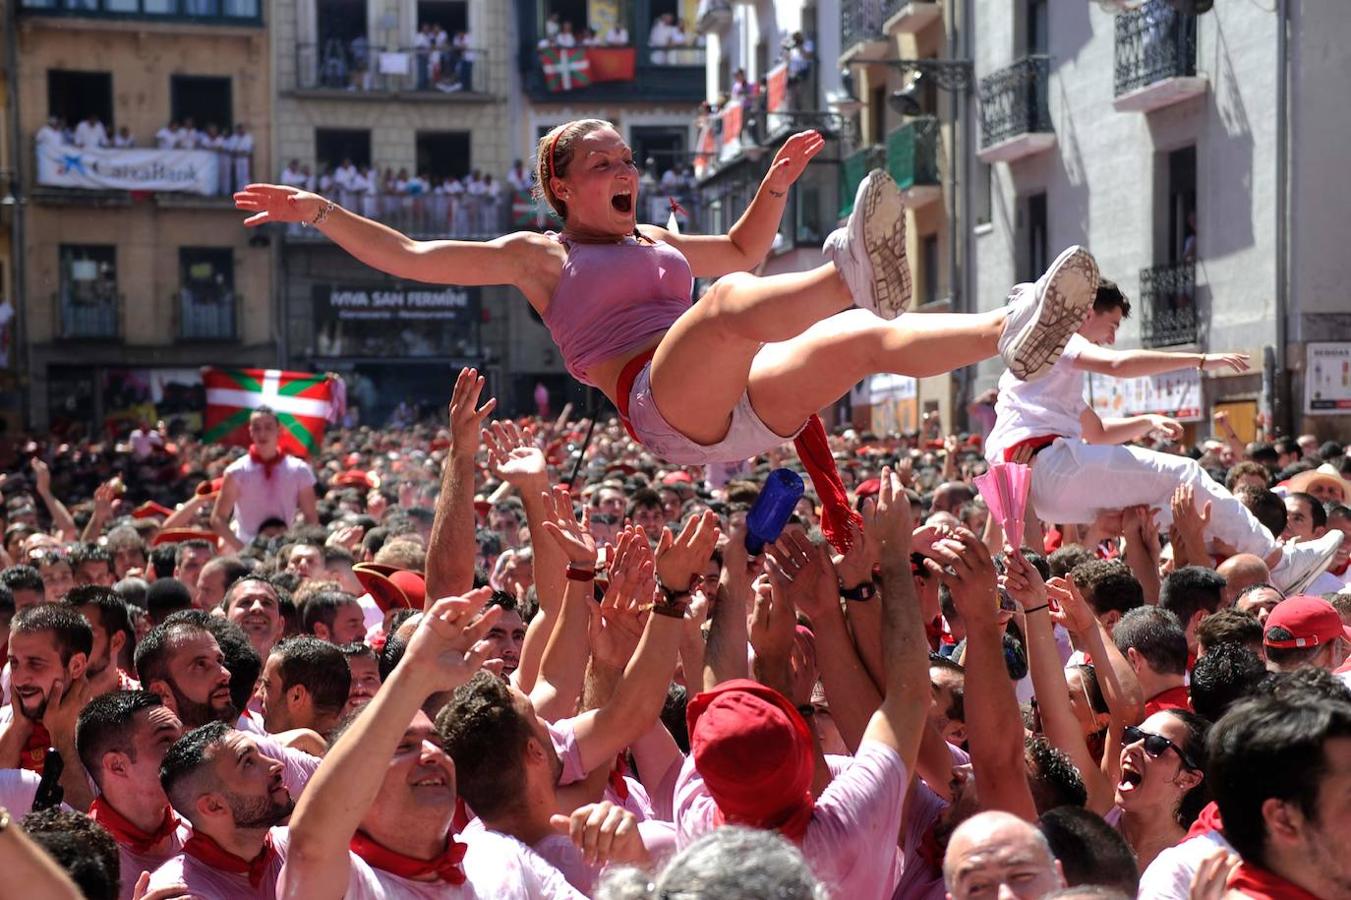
{"type": "Point", "coordinates": [973, 440]}
{"type": "Point", "coordinates": [868, 488]}
{"type": "Point", "coordinates": [679, 476]}
{"type": "Point", "coordinates": [207, 488]}
{"type": "Point", "coordinates": [150, 509]}
{"type": "Point", "coordinates": [413, 586]}
{"type": "Point", "coordinates": [375, 579]}
{"type": "Point", "coordinates": [754, 751]}
{"type": "Point", "coordinates": [357, 478]}
{"type": "Point", "coordinates": [1312, 620]}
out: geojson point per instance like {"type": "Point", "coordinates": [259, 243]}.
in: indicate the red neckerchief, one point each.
{"type": "Point", "coordinates": [933, 631]}
{"type": "Point", "coordinates": [617, 782]}
{"type": "Point", "coordinates": [1261, 884]}
{"type": "Point", "coordinates": [1173, 698]}
{"type": "Point", "coordinates": [446, 867]}
{"type": "Point", "coordinates": [1339, 571]}
{"type": "Point", "coordinates": [267, 464]}
{"type": "Point", "coordinates": [34, 756]}
{"type": "Point", "coordinates": [1207, 820]}
{"type": "Point", "coordinates": [204, 849]}
{"type": "Point", "coordinates": [126, 833]}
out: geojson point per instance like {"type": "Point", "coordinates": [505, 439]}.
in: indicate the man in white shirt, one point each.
{"type": "Point", "coordinates": [376, 820]}
{"type": "Point", "coordinates": [167, 136]}
{"type": "Point", "coordinates": [50, 133]}
{"type": "Point", "coordinates": [90, 134]}
{"type": "Point", "coordinates": [518, 177]}
{"type": "Point", "coordinates": [346, 175]}
{"type": "Point", "coordinates": [123, 139]}
{"type": "Point", "coordinates": [243, 156]}
{"type": "Point", "coordinates": [266, 483]}
{"type": "Point", "coordinates": [187, 136]}
{"type": "Point", "coordinates": [1080, 464]}
{"type": "Point", "coordinates": [617, 35]}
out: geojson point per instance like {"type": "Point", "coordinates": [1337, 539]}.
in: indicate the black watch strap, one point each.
{"type": "Point", "coordinates": [865, 591]}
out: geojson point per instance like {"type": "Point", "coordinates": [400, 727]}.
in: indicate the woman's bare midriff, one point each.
{"type": "Point", "coordinates": [605, 375]}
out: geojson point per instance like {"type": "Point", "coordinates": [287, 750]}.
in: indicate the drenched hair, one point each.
{"type": "Point", "coordinates": [554, 155]}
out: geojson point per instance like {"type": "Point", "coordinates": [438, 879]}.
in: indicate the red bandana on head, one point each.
{"type": "Point", "coordinates": [203, 848]}
{"type": "Point", "coordinates": [1260, 884]}
{"type": "Point", "coordinates": [446, 867]}
{"type": "Point", "coordinates": [267, 464]}
{"type": "Point", "coordinates": [125, 832]}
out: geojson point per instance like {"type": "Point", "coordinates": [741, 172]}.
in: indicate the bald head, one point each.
{"type": "Point", "coordinates": [994, 850]}
{"type": "Point", "coordinates": [1240, 571]}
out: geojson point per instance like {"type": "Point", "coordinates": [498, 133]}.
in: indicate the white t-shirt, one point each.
{"type": "Point", "coordinates": [260, 498]}
{"type": "Point", "coordinates": [495, 866]}
{"type": "Point", "coordinates": [851, 840]}
{"type": "Point", "coordinates": [18, 787]}
{"type": "Point", "coordinates": [1169, 876]}
{"type": "Point", "coordinates": [1051, 405]}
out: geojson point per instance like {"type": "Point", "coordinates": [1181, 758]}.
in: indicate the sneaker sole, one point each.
{"type": "Point", "coordinates": [884, 240]}
{"type": "Point", "coordinates": [1320, 566]}
{"type": "Point", "coordinates": [1070, 290]}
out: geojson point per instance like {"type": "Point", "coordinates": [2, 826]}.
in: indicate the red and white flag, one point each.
{"type": "Point", "coordinates": [303, 402]}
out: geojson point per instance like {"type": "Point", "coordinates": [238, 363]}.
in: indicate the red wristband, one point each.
{"type": "Point", "coordinates": [578, 572]}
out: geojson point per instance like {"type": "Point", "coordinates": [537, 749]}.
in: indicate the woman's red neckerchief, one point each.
{"type": "Point", "coordinates": [267, 464]}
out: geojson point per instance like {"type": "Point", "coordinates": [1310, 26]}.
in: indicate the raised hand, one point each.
{"type": "Point", "coordinates": [773, 619]}
{"type": "Point", "coordinates": [447, 647]}
{"type": "Point", "coordinates": [964, 564]}
{"type": "Point", "coordinates": [1170, 428]}
{"type": "Point", "coordinates": [42, 476]}
{"type": "Point", "coordinates": [466, 416]}
{"type": "Point", "coordinates": [347, 536]}
{"type": "Point", "coordinates": [572, 536]}
{"type": "Point", "coordinates": [1218, 362]}
{"type": "Point", "coordinates": [1070, 610]}
{"type": "Point", "coordinates": [892, 521]}
{"type": "Point", "coordinates": [1022, 580]}
{"type": "Point", "coordinates": [807, 573]}
{"type": "Point", "coordinates": [791, 160]}
{"type": "Point", "coordinates": [856, 565]}
{"type": "Point", "coordinates": [682, 557]}
{"type": "Point", "coordinates": [617, 625]}
{"type": "Point", "coordinates": [513, 455]}
{"type": "Point", "coordinates": [104, 496]}
{"type": "Point", "coordinates": [277, 203]}
{"type": "Point", "coordinates": [605, 834]}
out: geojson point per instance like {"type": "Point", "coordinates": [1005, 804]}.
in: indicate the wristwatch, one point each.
{"type": "Point", "coordinates": [673, 603]}
{"type": "Point", "coordinates": [865, 591]}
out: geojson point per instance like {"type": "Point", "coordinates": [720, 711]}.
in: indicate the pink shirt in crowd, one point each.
{"type": "Point", "coordinates": [851, 840]}
{"type": "Point", "coordinates": [133, 863]}
{"type": "Point", "coordinates": [563, 735]}
{"type": "Point", "coordinates": [207, 883]}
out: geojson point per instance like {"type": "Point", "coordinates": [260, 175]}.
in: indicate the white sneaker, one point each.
{"type": "Point", "coordinates": [869, 251]}
{"type": "Point", "coordinates": [1304, 561]}
{"type": "Point", "coordinates": [1042, 318]}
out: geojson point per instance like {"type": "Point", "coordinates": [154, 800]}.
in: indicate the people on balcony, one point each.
{"type": "Point", "coordinates": [123, 139]}
{"type": "Point", "coordinates": [91, 133]}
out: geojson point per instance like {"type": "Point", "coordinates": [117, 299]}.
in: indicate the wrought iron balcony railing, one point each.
{"type": "Point", "coordinates": [912, 153]}
{"type": "Point", "coordinates": [854, 169]}
{"type": "Point", "coordinates": [860, 22]}
{"type": "Point", "coordinates": [198, 12]}
{"type": "Point", "coordinates": [207, 312]}
{"type": "Point", "coordinates": [1168, 305]}
{"type": "Point", "coordinates": [1153, 43]}
{"type": "Point", "coordinates": [361, 69]}
{"type": "Point", "coordinates": [1013, 101]}
{"type": "Point", "coordinates": [88, 314]}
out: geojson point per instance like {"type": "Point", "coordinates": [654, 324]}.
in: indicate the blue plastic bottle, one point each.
{"type": "Point", "coordinates": [783, 488]}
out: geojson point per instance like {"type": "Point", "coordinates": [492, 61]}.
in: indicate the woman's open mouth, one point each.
{"type": "Point", "coordinates": [622, 202]}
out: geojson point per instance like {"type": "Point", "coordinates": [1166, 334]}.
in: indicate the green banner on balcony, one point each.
{"type": "Point", "coordinates": [852, 172]}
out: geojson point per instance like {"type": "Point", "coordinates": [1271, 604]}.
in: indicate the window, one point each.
{"type": "Point", "coordinates": [89, 300]}
{"type": "Point", "coordinates": [452, 15]}
{"type": "Point", "coordinates": [207, 293]}
{"type": "Point", "coordinates": [928, 261]}
{"type": "Point", "coordinates": [1182, 205]}
{"type": "Point", "coordinates": [443, 154]}
{"type": "Point", "coordinates": [663, 143]}
{"type": "Point", "coordinates": [204, 99]}
{"type": "Point", "coordinates": [333, 145]}
{"type": "Point", "coordinates": [1036, 27]}
{"type": "Point", "coordinates": [342, 21]}
{"type": "Point", "coordinates": [984, 193]}
{"type": "Point", "coordinates": [73, 97]}
{"type": "Point", "coordinates": [1034, 231]}
{"type": "Point", "coordinates": [877, 115]}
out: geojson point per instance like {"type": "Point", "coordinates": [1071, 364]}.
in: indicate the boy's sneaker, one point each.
{"type": "Point", "coordinates": [1044, 315]}
{"type": "Point", "coordinates": [1304, 561]}
{"type": "Point", "coordinates": [869, 251]}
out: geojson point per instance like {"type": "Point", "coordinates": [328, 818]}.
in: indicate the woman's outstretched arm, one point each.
{"type": "Point", "coordinates": [510, 259]}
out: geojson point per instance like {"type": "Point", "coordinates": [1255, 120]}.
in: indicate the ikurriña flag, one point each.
{"type": "Point", "coordinates": [303, 402]}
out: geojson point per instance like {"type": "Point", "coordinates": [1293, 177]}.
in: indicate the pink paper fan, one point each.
{"type": "Point", "coordinates": [1004, 487]}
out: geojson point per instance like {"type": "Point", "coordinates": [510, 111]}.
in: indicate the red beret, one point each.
{"type": "Point", "coordinates": [179, 535]}
{"type": "Point", "coordinates": [150, 509]}
{"type": "Point", "coordinates": [754, 752]}
{"type": "Point", "coordinates": [868, 488]}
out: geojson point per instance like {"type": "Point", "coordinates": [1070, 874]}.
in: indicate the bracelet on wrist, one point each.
{"type": "Point", "coordinates": [580, 572]}
{"type": "Point", "coordinates": [673, 606]}
{"type": "Point", "coordinates": [865, 591]}
{"type": "Point", "coordinates": [321, 215]}
{"type": "Point", "coordinates": [1028, 612]}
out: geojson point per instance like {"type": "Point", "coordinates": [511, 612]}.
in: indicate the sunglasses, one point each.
{"type": "Point", "coordinates": [1155, 745]}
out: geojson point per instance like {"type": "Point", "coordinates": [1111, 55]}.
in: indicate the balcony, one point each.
{"type": "Point", "coordinates": [635, 73]}
{"type": "Point", "coordinates": [88, 314]}
{"type": "Point", "coordinates": [207, 312]}
{"type": "Point", "coordinates": [861, 35]}
{"type": "Point", "coordinates": [854, 169]}
{"type": "Point", "coordinates": [1168, 305]}
{"type": "Point", "coordinates": [912, 160]}
{"type": "Point", "coordinates": [908, 16]}
{"type": "Point", "coordinates": [107, 176]}
{"type": "Point", "coordinates": [437, 215]}
{"type": "Point", "coordinates": [1015, 119]}
{"type": "Point", "coordinates": [358, 70]}
{"type": "Point", "coordinates": [195, 12]}
{"type": "Point", "coordinates": [1155, 58]}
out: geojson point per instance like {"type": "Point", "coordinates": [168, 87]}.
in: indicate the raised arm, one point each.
{"type": "Point", "coordinates": [221, 512]}
{"type": "Point", "coordinates": [450, 552]}
{"type": "Point", "coordinates": [104, 495]}
{"type": "Point", "coordinates": [994, 726]}
{"type": "Point", "coordinates": [61, 517]}
{"type": "Point", "coordinates": [511, 259]}
{"type": "Point", "coordinates": [637, 702]}
{"type": "Point", "coordinates": [1137, 363]}
{"type": "Point", "coordinates": [443, 654]}
{"type": "Point", "coordinates": [748, 242]}
{"type": "Point", "coordinates": [725, 653]}
{"type": "Point", "coordinates": [1124, 430]}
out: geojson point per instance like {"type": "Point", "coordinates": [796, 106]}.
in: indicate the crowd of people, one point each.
{"type": "Point", "coordinates": [436, 61]}
{"type": "Point", "coordinates": [429, 660]}
{"type": "Point", "coordinates": [233, 148]}
{"type": "Point", "coordinates": [669, 40]}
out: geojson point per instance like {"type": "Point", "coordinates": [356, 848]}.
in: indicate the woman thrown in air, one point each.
{"type": "Point", "coordinates": [743, 369]}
